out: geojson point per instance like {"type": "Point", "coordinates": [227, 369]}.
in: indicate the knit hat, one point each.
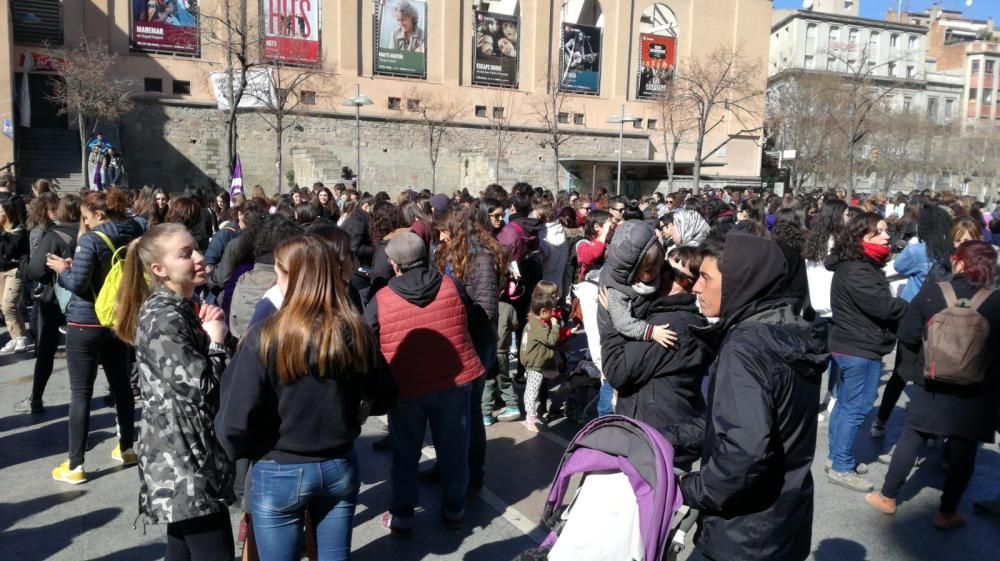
{"type": "Point", "coordinates": [406, 250]}
{"type": "Point", "coordinates": [439, 202]}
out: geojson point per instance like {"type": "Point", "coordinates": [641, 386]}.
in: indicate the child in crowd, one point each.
{"type": "Point", "coordinates": [631, 277]}
{"type": "Point", "coordinates": [538, 346]}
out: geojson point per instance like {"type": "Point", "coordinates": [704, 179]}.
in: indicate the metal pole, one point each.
{"type": "Point", "coordinates": [621, 134]}
{"type": "Point", "coordinates": [357, 139]}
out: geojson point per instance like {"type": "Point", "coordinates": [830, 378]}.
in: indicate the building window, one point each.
{"type": "Point", "coordinates": [894, 41]}
{"type": "Point", "coordinates": [564, 118]}
{"type": "Point", "coordinates": [307, 97]}
{"type": "Point", "coordinates": [413, 105]}
{"type": "Point", "coordinates": [975, 67]}
{"type": "Point", "coordinates": [911, 71]}
{"type": "Point", "coordinates": [153, 85]}
{"type": "Point", "coordinates": [987, 95]}
{"type": "Point", "coordinates": [989, 66]}
{"type": "Point", "coordinates": [848, 4]}
{"type": "Point", "coordinates": [949, 108]}
{"type": "Point", "coordinates": [578, 119]}
{"type": "Point", "coordinates": [973, 94]}
{"type": "Point", "coordinates": [831, 62]}
{"type": "Point", "coordinates": [834, 37]}
{"type": "Point", "coordinates": [852, 40]}
{"type": "Point", "coordinates": [810, 62]}
{"type": "Point", "coordinates": [498, 113]}
{"type": "Point", "coordinates": [932, 108]}
{"type": "Point", "coordinates": [907, 102]}
{"type": "Point", "coordinates": [892, 69]}
{"type": "Point", "coordinates": [182, 87]}
{"type": "Point", "coordinates": [811, 38]}
{"type": "Point", "coordinates": [637, 124]}
{"type": "Point", "coordinates": [871, 67]}
{"type": "Point", "coordinates": [873, 44]}
{"type": "Point", "coordinates": [481, 111]}
{"type": "Point", "coordinates": [395, 103]}
{"type": "Point", "coordinates": [651, 124]}
{"type": "Point", "coordinates": [913, 43]}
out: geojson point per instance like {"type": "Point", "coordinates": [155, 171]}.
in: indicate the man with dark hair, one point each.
{"type": "Point", "coordinates": [617, 207]}
{"type": "Point", "coordinates": [758, 436]}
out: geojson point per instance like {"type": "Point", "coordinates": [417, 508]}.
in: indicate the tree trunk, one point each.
{"type": "Point", "coordinates": [696, 171]}
{"type": "Point", "coordinates": [555, 150]}
{"type": "Point", "coordinates": [496, 171]}
{"type": "Point", "coordinates": [279, 133]}
{"type": "Point", "coordinates": [81, 124]}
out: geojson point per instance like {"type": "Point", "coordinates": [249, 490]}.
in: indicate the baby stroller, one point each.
{"type": "Point", "coordinates": [626, 505]}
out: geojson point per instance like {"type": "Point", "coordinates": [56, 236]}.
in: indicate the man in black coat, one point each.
{"type": "Point", "coordinates": [758, 436]}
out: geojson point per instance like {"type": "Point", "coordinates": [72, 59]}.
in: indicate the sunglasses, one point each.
{"type": "Point", "coordinates": [618, 208]}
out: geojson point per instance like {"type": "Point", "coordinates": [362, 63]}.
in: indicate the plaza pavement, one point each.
{"type": "Point", "coordinates": [41, 519]}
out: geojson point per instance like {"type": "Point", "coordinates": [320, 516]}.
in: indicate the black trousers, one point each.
{"type": "Point", "coordinates": [896, 384]}
{"type": "Point", "coordinates": [86, 348]}
{"type": "Point", "coordinates": [47, 317]}
{"type": "Point", "coordinates": [206, 538]}
{"type": "Point", "coordinates": [962, 462]}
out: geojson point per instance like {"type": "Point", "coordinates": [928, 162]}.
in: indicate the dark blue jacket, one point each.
{"type": "Point", "coordinates": [213, 255]}
{"type": "Point", "coordinates": [91, 263]}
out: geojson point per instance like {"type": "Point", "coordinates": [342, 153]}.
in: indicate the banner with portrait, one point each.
{"type": "Point", "coordinates": [401, 37]}
{"type": "Point", "coordinates": [657, 61]}
{"type": "Point", "coordinates": [291, 30]}
{"type": "Point", "coordinates": [495, 58]}
{"type": "Point", "coordinates": [165, 26]}
{"type": "Point", "coordinates": [580, 59]}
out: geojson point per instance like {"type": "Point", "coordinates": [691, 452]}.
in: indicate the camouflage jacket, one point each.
{"type": "Point", "coordinates": [185, 473]}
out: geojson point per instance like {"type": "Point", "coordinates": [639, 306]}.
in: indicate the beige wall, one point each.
{"type": "Point", "coordinates": [703, 25]}
{"type": "Point", "coordinates": [6, 82]}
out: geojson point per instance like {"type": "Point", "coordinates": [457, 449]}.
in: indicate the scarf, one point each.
{"type": "Point", "coordinates": [876, 252]}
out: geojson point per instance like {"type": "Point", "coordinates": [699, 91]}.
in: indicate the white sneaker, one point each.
{"type": "Point", "coordinates": [20, 344]}
{"type": "Point", "coordinates": [9, 347]}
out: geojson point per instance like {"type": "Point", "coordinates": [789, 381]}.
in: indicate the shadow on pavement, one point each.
{"type": "Point", "coordinates": [43, 542]}
{"type": "Point", "coordinates": [21, 420]}
{"type": "Point", "coordinates": [10, 513]}
{"type": "Point", "coordinates": [49, 440]}
{"type": "Point", "coordinates": [147, 552]}
{"type": "Point", "coordinates": [839, 549]}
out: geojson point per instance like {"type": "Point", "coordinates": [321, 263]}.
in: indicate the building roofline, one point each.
{"type": "Point", "coordinates": [901, 83]}
{"type": "Point", "coordinates": [849, 20]}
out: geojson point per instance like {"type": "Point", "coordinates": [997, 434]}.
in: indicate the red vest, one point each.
{"type": "Point", "coordinates": [428, 349]}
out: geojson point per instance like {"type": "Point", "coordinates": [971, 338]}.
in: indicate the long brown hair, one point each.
{"type": "Point", "coordinates": [135, 287]}
{"type": "Point", "coordinates": [317, 318]}
{"type": "Point", "coordinates": [113, 203]}
{"type": "Point", "coordinates": [463, 230]}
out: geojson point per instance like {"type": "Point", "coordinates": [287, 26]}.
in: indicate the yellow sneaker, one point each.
{"type": "Point", "coordinates": [126, 458]}
{"type": "Point", "coordinates": [71, 476]}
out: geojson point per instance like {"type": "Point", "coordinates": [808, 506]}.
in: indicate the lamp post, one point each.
{"type": "Point", "coordinates": [358, 101]}
{"type": "Point", "coordinates": [621, 119]}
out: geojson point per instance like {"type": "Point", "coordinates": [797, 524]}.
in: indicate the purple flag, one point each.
{"type": "Point", "coordinates": [236, 187]}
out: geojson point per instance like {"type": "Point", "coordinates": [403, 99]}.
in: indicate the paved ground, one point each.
{"type": "Point", "coordinates": [42, 519]}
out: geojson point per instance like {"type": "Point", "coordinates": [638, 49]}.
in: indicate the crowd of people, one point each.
{"type": "Point", "coordinates": [258, 334]}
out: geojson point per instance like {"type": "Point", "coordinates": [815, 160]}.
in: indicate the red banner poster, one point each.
{"type": "Point", "coordinates": [656, 64]}
{"type": "Point", "coordinates": [291, 30]}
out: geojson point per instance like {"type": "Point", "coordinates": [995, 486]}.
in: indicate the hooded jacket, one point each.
{"type": "Point", "coordinates": [519, 236]}
{"type": "Point", "coordinates": [630, 242]}
{"type": "Point", "coordinates": [658, 385]}
{"type": "Point", "coordinates": [865, 313]}
{"type": "Point", "coordinates": [91, 263]}
{"type": "Point", "coordinates": [758, 436]}
{"type": "Point", "coordinates": [59, 240]}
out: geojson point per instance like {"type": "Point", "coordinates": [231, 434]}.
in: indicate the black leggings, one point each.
{"type": "Point", "coordinates": [962, 462]}
{"type": "Point", "coordinates": [206, 538]}
{"type": "Point", "coordinates": [48, 318]}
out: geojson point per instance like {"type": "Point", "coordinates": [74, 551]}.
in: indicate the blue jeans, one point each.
{"type": "Point", "coordinates": [283, 492]}
{"type": "Point", "coordinates": [447, 411]}
{"type": "Point", "coordinates": [856, 392]}
{"type": "Point", "coordinates": [605, 399]}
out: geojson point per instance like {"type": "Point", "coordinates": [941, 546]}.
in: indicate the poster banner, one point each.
{"type": "Point", "coordinates": [165, 26]}
{"type": "Point", "coordinates": [291, 30]}
{"type": "Point", "coordinates": [401, 37]}
{"type": "Point", "coordinates": [580, 62]}
{"type": "Point", "coordinates": [258, 93]}
{"type": "Point", "coordinates": [657, 59]}
{"type": "Point", "coordinates": [494, 62]}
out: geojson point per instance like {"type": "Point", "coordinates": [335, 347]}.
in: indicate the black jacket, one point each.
{"type": "Point", "coordinates": [53, 243]}
{"type": "Point", "coordinates": [356, 225]}
{"type": "Point", "coordinates": [630, 242]}
{"type": "Point", "coordinates": [13, 247]}
{"type": "Point", "coordinates": [657, 385]}
{"type": "Point", "coordinates": [865, 314]}
{"type": "Point", "coordinates": [795, 284]}
{"type": "Point", "coordinates": [947, 410]}
{"type": "Point", "coordinates": [758, 436]}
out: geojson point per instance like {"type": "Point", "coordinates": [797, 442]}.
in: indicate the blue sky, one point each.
{"type": "Point", "coordinates": [981, 9]}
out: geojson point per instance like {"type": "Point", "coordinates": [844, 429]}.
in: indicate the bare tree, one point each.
{"type": "Point", "coordinates": [500, 113]}
{"type": "Point", "coordinates": [82, 89]}
{"type": "Point", "coordinates": [549, 110]}
{"type": "Point", "coordinates": [899, 140]}
{"type": "Point", "coordinates": [437, 115]}
{"type": "Point", "coordinates": [231, 29]}
{"type": "Point", "coordinates": [675, 110]}
{"type": "Point", "coordinates": [290, 88]}
{"type": "Point", "coordinates": [797, 119]}
{"type": "Point", "coordinates": [721, 85]}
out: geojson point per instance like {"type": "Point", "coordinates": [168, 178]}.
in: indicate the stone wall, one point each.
{"type": "Point", "coordinates": [173, 145]}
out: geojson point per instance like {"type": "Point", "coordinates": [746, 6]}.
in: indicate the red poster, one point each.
{"type": "Point", "coordinates": [656, 64]}
{"type": "Point", "coordinates": [165, 26]}
{"type": "Point", "coordinates": [291, 30]}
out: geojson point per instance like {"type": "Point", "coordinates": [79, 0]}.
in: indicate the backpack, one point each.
{"type": "Point", "coordinates": [955, 340]}
{"type": "Point", "coordinates": [107, 299]}
{"type": "Point", "coordinates": [249, 289]}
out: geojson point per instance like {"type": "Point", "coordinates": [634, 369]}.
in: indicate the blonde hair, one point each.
{"type": "Point", "coordinates": [135, 287]}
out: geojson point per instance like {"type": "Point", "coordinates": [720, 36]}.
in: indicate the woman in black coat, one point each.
{"type": "Point", "coordinates": [964, 414]}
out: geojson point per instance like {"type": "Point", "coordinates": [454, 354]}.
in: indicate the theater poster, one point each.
{"type": "Point", "coordinates": [401, 38]}
{"type": "Point", "coordinates": [165, 26]}
{"type": "Point", "coordinates": [657, 60]}
{"type": "Point", "coordinates": [580, 64]}
{"type": "Point", "coordinates": [494, 61]}
{"type": "Point", "coordinates": [291, 30]}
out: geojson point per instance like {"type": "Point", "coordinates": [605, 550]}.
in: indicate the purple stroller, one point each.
{"type": "Point", "coordinates": [626, 468]}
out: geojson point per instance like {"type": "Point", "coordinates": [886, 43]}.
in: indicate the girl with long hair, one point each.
{"type": "Point", "coordinates": [293, 401]}
{"type": "Point", "coordinates": [13, 249]}
{"type": "Point", "coordinates": [180, 354]}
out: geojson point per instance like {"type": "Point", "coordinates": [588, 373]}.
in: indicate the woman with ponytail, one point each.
{"type": "Point", "coordinates": [104, 228]}
{"type": "Point", "coordinates": [863, 330]}
{"type": "Point", "coordinates": [180, 352]}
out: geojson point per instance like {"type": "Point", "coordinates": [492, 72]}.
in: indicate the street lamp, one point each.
{"type": "Point", "coordinates": [357, 102]}
{"type": "Point", "coordinates": [621, 119]}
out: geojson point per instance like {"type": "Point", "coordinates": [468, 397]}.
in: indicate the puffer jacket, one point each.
{"type": "Point", "coordinates": [185, 472]}
{"type": "Point", "coordinates": [483, 284]}
{"type": "Point", "coordinates": [865, 313]}
{"type": "Point", "coordinates": [91, 263]}
{"type": "Point", "coordinates": [758, 436]}
{"type": "Point", "coordinates": [630, 242]}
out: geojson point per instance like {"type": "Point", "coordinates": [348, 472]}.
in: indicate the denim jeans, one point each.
{"type": "Point", "coordinates": [447, 412]}
{"type": "Point", "coordinates": [283, 492]}
{"type": "Point", "coordinates": [856, 391]}
{"type": "Point", "coordinates": [477, 436]}
{"type": "Point", "coordinates": [605, 400]}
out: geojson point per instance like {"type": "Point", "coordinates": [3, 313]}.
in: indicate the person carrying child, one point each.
{"type": "Point", "coordinates": [538, 346]}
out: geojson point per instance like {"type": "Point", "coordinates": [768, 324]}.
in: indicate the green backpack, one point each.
{"type": "Point", "coordinates": [107, 299]}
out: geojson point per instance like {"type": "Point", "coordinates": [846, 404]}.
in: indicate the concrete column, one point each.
{"type": "Point", "coordinates": [6, 80]}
